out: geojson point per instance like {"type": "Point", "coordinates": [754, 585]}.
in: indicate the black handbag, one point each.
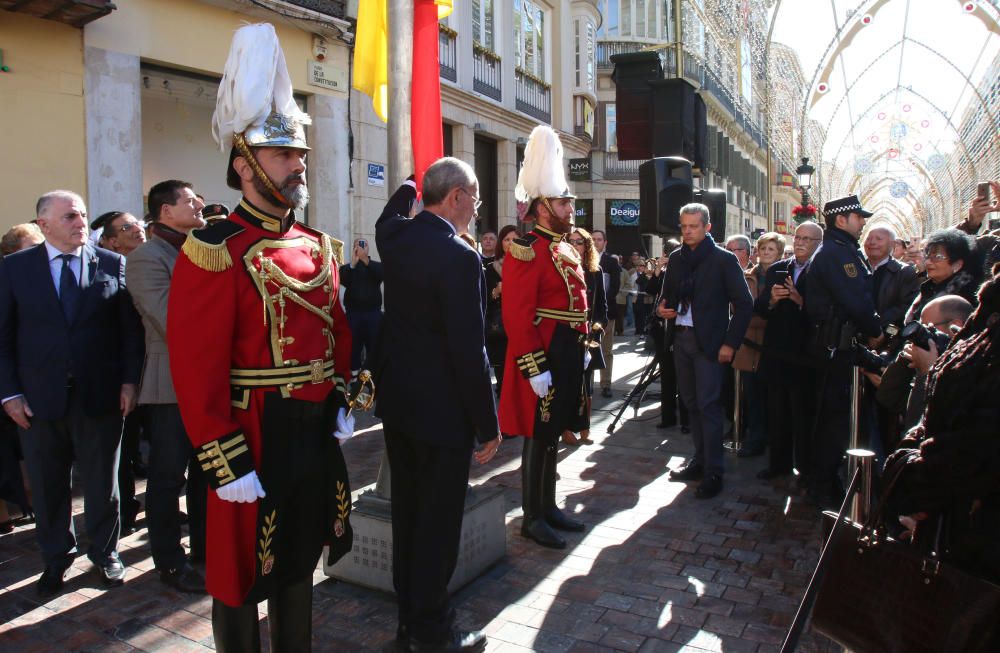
{"type": "Point", "coordinates": [494, 325]}
{"type": "Point", "coordinates": [888, 596]}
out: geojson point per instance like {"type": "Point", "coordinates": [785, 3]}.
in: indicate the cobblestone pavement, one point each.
{"type": "Point", "coordinates": [656, 570]}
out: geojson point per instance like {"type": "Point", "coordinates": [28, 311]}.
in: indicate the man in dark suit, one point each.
{"type": "Point", "coordinates": [434, 394]}
{"type": "Point", "coordinates": [70, 358]}
{"type": "Point", "coordinates": [702, 281]}
{"type": "Point", "coordinates": [612, 283]}
{"type": "Point", "coordinates": [894, 284]}
{"type": "Point", "coordinates": [790, 385]}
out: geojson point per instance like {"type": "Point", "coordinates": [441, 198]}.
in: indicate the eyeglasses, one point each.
{"type": "Point", "coordinates": [936, 257]}
{"type": "Point", "coordinates": [804, 239]}
{"type": "Point", "coordinates": [129, 226]}
{"type": "Point", "coordinates": [475, 198]}
{"type": "Point", "coordinates": [577, 241]}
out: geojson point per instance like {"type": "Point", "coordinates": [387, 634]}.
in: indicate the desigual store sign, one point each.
{"type": "Point", "coordinates": [623, 213]}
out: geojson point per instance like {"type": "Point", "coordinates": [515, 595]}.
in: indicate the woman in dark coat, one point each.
{"type": "Point", "coordinates": [496, 337]}
{"type": "Point", "coordinates": [949, 464]}
{"type": "Point", "coordinates": [597, 318]}
{"type": "Point", "coordinates": [952, 269]}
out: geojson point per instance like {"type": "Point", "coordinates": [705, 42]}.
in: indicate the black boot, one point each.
{"type": "Point", "coordinates": [534, 526]}
{"type": "Point", "coordinates": [555, 517]}
{"type": "Point", "coordinates": [235, 629]}
{"type": "Point", "coordinates": [289, 616]}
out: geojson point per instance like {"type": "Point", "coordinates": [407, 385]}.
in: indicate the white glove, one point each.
{"type": "Point", "coordinates": [345, 425]}
{"type": "Point", "coordinates": [541, 383]}
{"type": "Point", "coordinates": [586, 359]}
{"type": "Point", "coordinates": [245, 489]}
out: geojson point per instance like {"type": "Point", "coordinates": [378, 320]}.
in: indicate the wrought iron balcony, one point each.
{"type": "Point", "coordinates": [617, 169]}
{"type": "Point", "coordinates": [447, 53]}
{"type": "Point", "coordinates": [486, 72]}
{"type": "Point", "coordinates": [532, 96]}
{"type": "Point", "coordinates": [607, 48]}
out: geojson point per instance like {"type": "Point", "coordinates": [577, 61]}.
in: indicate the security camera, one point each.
{"type": "Point", "coordinates": [319, 47]}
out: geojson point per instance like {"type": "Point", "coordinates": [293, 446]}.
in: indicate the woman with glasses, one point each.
{"type": "Point", "coordinates": [952, 269]}
{"type": "Point", "coordinates": [597, 317]}
{"type": "Point", "coordinates": [770, 247]}
{"type": "Point", "coordinates": [496, 337]}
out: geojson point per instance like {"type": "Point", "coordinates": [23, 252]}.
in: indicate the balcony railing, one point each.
{"type": "Point", "coordinates": [486, 72]}
{"type": "Point", "coordinates": [447, 53]}
{"type": "Point", "coordinates": [607, 48]}
{"type": "Point", "coordinates": [616, 169]}
{"type": "Point", "coordinates": [532, 96]}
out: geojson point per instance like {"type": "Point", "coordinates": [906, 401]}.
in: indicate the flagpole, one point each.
{"type": "Point", "coordinates": [400, 32]}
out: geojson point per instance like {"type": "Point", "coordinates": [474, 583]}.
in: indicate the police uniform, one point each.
{"type": "Point", "coordinates": [840, 305]}
{"type": "Point", "coordinates": [260, 356]}
{"type": "Point", "coordinates": [545, 317]}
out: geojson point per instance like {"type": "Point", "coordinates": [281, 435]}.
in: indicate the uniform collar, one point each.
{"type": "Point", "coordinates": [841, 236]}
{"type": "Point", "coordinates": [262, 219]}
{"type": "Point", "coordinates": [548, 234]}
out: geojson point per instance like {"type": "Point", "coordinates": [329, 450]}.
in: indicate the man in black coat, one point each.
{"type": "Point", "coordinates": [702, 282]}
{"type": "Point", "coordinates": [894, 284]}
{"type": "Point", "coordinates": [434, 394]}
{"type": "Point", "coordinates": [841, 307]}
{"type": "Point", "coordinates": [612, 283]}
{"type": "Point", "coordinates": [790, 382]}
{"type": "Point", "coordinates": [70, 358]}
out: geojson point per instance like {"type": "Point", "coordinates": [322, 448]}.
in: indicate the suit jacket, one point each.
{"type": "Point", "coordinates": [718, 284]}
{"type": "Point", "coordinates": [786, 334]}
{"type": "Point", "coordinates": [613, 274]}
{"type": "Point", "coordinates": [150, 268]}
{"type": "Point", "coordinates": [100, 348]}
{"type": "Point", "coordinates": [899, 287]}
{"type": "Point", "coordinates": [432, 372]}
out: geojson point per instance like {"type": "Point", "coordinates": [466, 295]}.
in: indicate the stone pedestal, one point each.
{"type": "Point", "coordinates": [369, 564]}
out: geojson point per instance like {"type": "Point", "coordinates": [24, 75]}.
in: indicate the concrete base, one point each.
{"type": "Point", "coordinates": [484, 540]}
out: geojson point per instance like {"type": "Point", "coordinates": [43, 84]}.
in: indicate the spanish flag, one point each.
{"type": "Point", "coordinates": [371, 59]}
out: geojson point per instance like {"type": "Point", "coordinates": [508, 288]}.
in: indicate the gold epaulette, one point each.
{"type": "Point", "coordinates": [521, 248]}
{"type": "Point", "coordinates": [207, 247]}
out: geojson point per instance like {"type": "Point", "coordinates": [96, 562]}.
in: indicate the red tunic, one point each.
{"type": "Point", "coordinates": [223, 338]}
{"type": "Point", "coordinates": [543, 284]}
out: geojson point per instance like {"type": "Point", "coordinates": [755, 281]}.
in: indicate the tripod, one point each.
{"type": "Point", "coordinates": [649, 374]}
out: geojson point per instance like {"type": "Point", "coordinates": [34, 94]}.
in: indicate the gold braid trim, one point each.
{"type": "Point", "coordinates": [521, 252]}
{"type": "Point", "coordinates": [208, 256]}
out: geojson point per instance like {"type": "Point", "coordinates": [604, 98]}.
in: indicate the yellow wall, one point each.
{"type": "Point", "coordinates": [42, 146]}
{"type": "Point", "coordinates": [192, 35]}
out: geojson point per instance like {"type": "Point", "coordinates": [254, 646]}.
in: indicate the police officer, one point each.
{"type": "Point", "coordinates": [840, 307]}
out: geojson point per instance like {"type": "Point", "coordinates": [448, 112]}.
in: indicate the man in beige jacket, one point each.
{"type": "Point", "coordinates": [175, 210]}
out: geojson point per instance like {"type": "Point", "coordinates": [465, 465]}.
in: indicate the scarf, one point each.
{"type": "Point", "coordinates": [172, 236]}
{"type": "Point", "coordinates": [692, 258]}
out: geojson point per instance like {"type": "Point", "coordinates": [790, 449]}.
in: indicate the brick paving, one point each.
{"type": "Point", "coordinates": [656, 570]}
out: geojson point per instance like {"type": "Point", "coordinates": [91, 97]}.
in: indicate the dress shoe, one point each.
{"type": "Point", "coordinates": [556, 518]}
{"type": "Point", "coordinates": [688, 472]}
{"type": "Point", "coordinates": [767, 473]}
{"type": "Point", "coordinates": [51, 581]}
{"type": "Point", "coordinates": [540, 532]}
{"type": "Point", "coordinates": [184, 579]}
{"type": "Point", "coordinates": [710, 487]}
{"type": "Point", "coordinates": [606, 392]}
{"type": "Point", "coordinates": [459, 642]}
{"type": "Point", "coordinates": [749, 452]}
{"type": "Point", "coordinates": [111, 571]}
{"type": "Point", "coordinates": [570, 439]}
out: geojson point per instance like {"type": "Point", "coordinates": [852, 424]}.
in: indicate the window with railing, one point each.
{"type": "Point", "coordinates": [486, 72]}
{"type": "Point", "coordinates": [447, 53]}
{"type": "Point", "coordinates": [532, 95]}
{"type": "Point", "coordinates": [617, 169]}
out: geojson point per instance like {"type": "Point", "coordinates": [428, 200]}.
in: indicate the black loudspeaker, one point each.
{"type": "Point", "coordinates": [715, 200]}
{"type": "Point", "coordinates": [634, 102]}
{"type": "Point", "coordinates": [664, 187]}
{"type": "Point", "coordinates": [680, 126]}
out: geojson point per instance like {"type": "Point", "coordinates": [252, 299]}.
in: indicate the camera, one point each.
{"type": "Point", "coordinates": [922, 336]}
{"type": "Point", "coordinates": [870, 361]}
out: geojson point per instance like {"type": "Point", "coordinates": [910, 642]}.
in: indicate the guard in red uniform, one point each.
{"type": "Point", "coordinates": [545, 315]}
{"type": "Point", "coordinates": [260, 354]}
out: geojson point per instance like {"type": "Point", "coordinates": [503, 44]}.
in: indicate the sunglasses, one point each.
{"type": "Point", "coordinates": [577, 241]}
{"type": "Point", "coordinates": [129, 226]}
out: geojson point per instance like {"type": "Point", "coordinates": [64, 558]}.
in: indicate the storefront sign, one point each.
{"type": "Point", "coordinates": [583, 213]}
{"type": "Point", "coordinates": [326, 76]}
{"type": "Point", "coordinates": [376, 174]}
{"type": "Point", "coordinates": [623, 213]}
{"type": "Point", "coordinates": [579, 169]}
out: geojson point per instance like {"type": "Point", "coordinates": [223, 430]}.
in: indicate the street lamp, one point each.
{"type": "Point", "coordinates": [805, 173]}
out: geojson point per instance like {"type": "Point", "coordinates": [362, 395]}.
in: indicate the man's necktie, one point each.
{"type": "Point", "coordinates": [69, 288]}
